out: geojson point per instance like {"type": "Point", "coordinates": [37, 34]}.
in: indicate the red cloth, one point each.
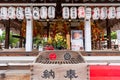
{"type": "Point", "coordinates": [104, 72]}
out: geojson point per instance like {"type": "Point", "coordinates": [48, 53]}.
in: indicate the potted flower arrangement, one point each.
{"type": "Point", "coordinates": [59, 42]}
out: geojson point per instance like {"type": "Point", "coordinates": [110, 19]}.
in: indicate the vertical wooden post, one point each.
{"type": "Point", "coordinates": [29, 35]}
{"type": "Point", "coordinates": [88, 44]}
{"type": "Point", "coordinates": [68, 40]}
{"type": "Point", "coordinates": [21, 39]}
{"type": "Point", "coordinates": [108, 28]}
{"type": "Point", "coordinates": [7, 35]}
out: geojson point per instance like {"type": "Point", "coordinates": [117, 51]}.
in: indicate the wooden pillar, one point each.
{"type": "Point", "coordinates": [108, 28]}
{"type": "Point", "coordinates": [68, 40]}
{"type": "Point", "coordinates": [88, 45]}
{"type": "Point", "coordinates": [29, 35]}
{"type": "Point", "coordinates": [7, 35]}
{"type": "Point", "coordinates": [21, 39]}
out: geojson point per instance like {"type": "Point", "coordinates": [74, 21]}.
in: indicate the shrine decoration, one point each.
{"type": "Point", "coordinates": [35, 28]}
{"type": "Point", "coordinates": [68, 40]}
{"type": "Point", "coordinates": [59, 41]}
{"type": "Point", "coordinates": [23, 28]}
{"type": "Point", "coordinates": [4, 13]}
{"type": "Point", "coordinates": [59, 27]}
{"type": "Point", "coordinates": [65, 12]}
{"type": "Point", "coordinates": [97, 32]}
{"type": "Point", "coordinates": [43, 12]}
{"type": "Point", "coordinates": [52, 56]}
{"type": "Point", "coordinates": [53, 27]}
{"type": "Point", "coordinates": [36, 13]}
{"type": "Point", "coordinates": [11, 13]}
{"type": "Point", "coordinates": [28, 13]}
{"type": "Point", "coordinates": [51, 12]}
{"type": "Point", "coordinates": [111, 13]}
{"type": "Point", "coordinates": [118, 13]}
{"type": "Point", "coordinates": [19, 13]}
{"type": "Point", "coordinates": [73, 12]}
{"type": "Point", "coordinates": [88, 13]}
{"type": "Point", "coordinates": [81, 12]}
{"type": "Point", "coordinates": [103, 13]}
{"type": "Point", "coordinates": [96, 13]}
{"type": "Point", "coordinates": [81, 26]}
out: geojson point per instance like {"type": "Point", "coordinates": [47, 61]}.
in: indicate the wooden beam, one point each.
{"type": "Point", "coordinates": [7, 35]}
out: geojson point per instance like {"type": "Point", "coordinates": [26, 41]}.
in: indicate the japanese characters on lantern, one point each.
{"type": "Point", "coordinates": [11, 13]}
{"type": "Point", "coordinates": [28, 13]}
{"type": "Point", "coordinates": [51, 12]}
{"type": "Point", "coordinates": [88, 13]}
{"type": "Point", "coordinates": [19, 13]}
{"type": "Point", "coordinates": [43, 12]}
{"type": "Point", "coordinates": [4, 13]}
{"type": "Point", "coordinates": [118, 13]}
{"type": "Point", "coordinates": [73, 12]}
{"type": "Point", "coordinates": [96, 13]}
{"type": "Point", "coordinates": [111, 13]}
{"type": "Point", "coordinates": [36, 13]}
{"type": "Point", "coordinates": [65, 13]}
{"type": "Point", "coordinates": [81, 12]}
{"type": "Point", "coordinates": [103, 13]}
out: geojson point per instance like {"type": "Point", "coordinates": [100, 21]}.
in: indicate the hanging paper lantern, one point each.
{"type": "Point", "coordinates": [88, 13]}
{"type": "Point", "coordinates": [103, 14]}
{"type": "Point", "coordinates": [73, 12]}
{"type": "Point", "coordinates": [81, 12]}
{"type": "Point", "coordinates": [96, 13]}
{"type": "Point", "coordinates": [111, 13]}
{"type": "Point", "coordinates": [19, 13]}
{"type": "Point", "coordinates": [65, 13]}
{"type": "Point", "coordinates": [118, 13]}
{"type": "Point", "coordinates": [4, 14]}
{"type": "Point", "coordinates": [28, 13]}
{"type": "Point", "coordinates": [43, 12]}
{"type": "Point", "coordinates": [51, 12]}
{"type": "Point", "coordinates": [11, 13]}
{"type": "Point", "coordinates": [36, 14]}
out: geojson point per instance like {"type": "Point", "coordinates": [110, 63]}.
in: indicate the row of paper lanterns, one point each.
{"type": "Point", "coordinates": [27, 12]}
{"type": "Point", "coordinates": [67, 13]}
{"type": "Point", "coordinates": [94, 13]}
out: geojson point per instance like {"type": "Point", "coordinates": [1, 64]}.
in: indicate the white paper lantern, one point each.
{"type": "Point", "coordinates": [20, 13]}
{"type": "Point", "coordinates": [11, 13]}
{"type": "Point", "coordinates": [81, 12]}
{"type": "Point", "coordinates": [4, 13]}
{"type": "Point", "coordinates": [118, 13]}
{"type": "Point", "coordinates": [36, 13]}
{"type": "Point", "coordinates": [111, 13]}
{"type": "Point", "coordinates": [65, 13]}
{"type": "Point", "coordinates": [51, 12]}
{"type": "Point", "coordinates": [88, 13]}
{"type": "Point", "coordinates": [103, 13]}
{"type": "Point", "coordinates": [96, 13]}
{"type": "Point", "coordinates": [73, 12]}
{"type": "Point", "coordinates": [43, 12]}
{"type": "Point", "coordinates": [28, 13]}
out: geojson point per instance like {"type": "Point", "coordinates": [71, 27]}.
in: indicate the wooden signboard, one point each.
{"type": "Point", "coordinates": [60, 71]}
{"type": "Point", "coordinates": [59, 65]}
